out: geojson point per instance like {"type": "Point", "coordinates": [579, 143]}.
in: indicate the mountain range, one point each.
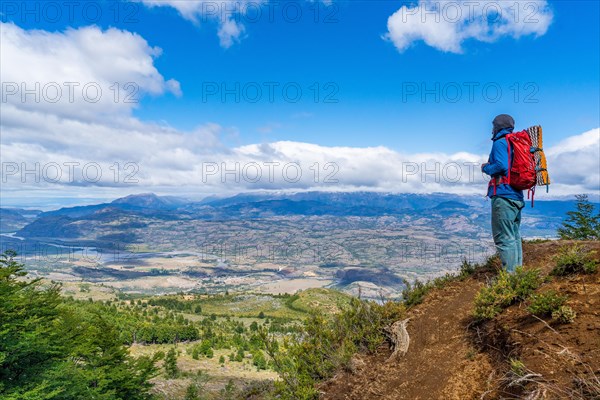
{"type": "Point", "coordinates": [68, 222]}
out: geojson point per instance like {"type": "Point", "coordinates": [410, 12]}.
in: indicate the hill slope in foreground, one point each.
{"type": "Point", "coordinates": [514, 355]}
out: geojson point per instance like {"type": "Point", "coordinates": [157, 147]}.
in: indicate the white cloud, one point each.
{"type": "Point", "coordinates": [446, 25]}
{"type": "Point", "coordinates": [227, 13]}
{"type": "Point", "coordinates": [174, 87]}
{"type": "Point", "coordinates": [574, 163]}
{"type": "Point", "coordinates": [40, 132]}
{"type": "Point", "coordinates": [230, 32]}
{"type": "Point", "coordinates": [80, 73]}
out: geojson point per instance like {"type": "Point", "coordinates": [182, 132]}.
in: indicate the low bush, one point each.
{"type": "Point", "coordinates": [575, 259]}
{"type": "Point", "coordinates": [415, 293]}
{"type": "Point", "coordinates": [564, 315]}
{"type": "Point", "coordinates": [505, 290]}
{"type": "Point", "coordinates": [467, 269]}
{"type": "Point", "coordinates": [544, 304]}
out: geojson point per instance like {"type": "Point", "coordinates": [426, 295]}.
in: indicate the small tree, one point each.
{"type": "Point", "coordinates": [581, 224]}
{"type": "Point", "coordinates": [210, 353]}
{"type": "Point", "coordinates": [259, 360]}
{"type": "Point", "coordinates": [240, 355]}
{"type": "Point", "coordinates": [192, 392]}
{"type": "Point", "coordinates": [171, 363]}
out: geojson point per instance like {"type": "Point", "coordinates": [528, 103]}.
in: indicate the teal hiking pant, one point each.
{"type": "Point", "coordinates": [506, 224]}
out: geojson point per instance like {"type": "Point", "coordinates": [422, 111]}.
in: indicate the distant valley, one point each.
{"type": "Point", "coordinates": [362, 242]}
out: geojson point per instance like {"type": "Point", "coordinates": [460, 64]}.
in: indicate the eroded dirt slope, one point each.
{"type": "Point", "coordinates": [450, 357]}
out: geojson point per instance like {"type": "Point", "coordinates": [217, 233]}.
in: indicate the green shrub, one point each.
{"type": "Point", "coordinates": [505, 290]}
{"type": "Point", "coordinates": [467, 269]}
{"type": "Point", "coordinates": [525, 282]}
{"type": "Point", "coordinates": [575, 259]}
{"type": "Point", "coordinates": [414, 294]}
{"type": "Point", "coordinates": [191, 392]}
{"type": "Point", "coordinates": [259, 360]}
{"type": "Point", "coordinates": [546, 303]}
{"type": "Point", "coordinates": [491, 265]}
{"type": "Point", "coordinates": [564, 315]}
{"type": "Point", "coordinates": [327, 343]}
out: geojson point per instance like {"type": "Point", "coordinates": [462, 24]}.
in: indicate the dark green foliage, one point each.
{"type": "Point", "coordinates": [204, 348]}
{"type": "Point", "coordinates": [239, 357]}
{"type": "Point", "coordinates": [574, 259]}
{"type": "Point", "coordinates": [171, 368]}
{"type": "Point", "coordinates": [158, 331]}
{"type": "Point", "coordinates": [415, 293]}
{"type": "Point", "coordinates": [505, 290]}
{"type": "Point", "coordinates": [467, 269]}
{"type": "Point", "coordinates": [327, 344]}
{"type": "Point", "coordinates": [544, 304]}
{"type": "Point", "coordinates": [259, 360]}
{"type": "Point", "coordinates": [191, 392]}
{"type": "Point", "coordinates": [581, 224]}
{"type": "Point", "coordinates": [50, 349]}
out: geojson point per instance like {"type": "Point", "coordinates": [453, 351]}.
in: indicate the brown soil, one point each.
{"type": "Point", "coordinates": [451, 357]}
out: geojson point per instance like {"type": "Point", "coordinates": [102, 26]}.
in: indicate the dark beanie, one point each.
{"type": "Point", "coordinates": [503, 121]}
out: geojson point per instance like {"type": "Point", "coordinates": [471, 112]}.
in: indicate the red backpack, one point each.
{"type": "Point", "coordinates": [521, 168]}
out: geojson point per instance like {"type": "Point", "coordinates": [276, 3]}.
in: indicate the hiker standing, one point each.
{"type": "Point", "coordinates": [507, 202]}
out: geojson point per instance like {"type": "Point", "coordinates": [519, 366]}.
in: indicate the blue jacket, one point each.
{"type": "Point", "coordinates": [498, 166]}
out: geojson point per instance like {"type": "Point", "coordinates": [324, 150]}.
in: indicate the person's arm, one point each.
{"type": "Point", "coordinates": [498, 162]}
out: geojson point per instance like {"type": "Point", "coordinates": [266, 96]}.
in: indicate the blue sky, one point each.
{"type": "Point", "coordinates": [554, 70]}
{"type": "Point", "coordinates": [348, 50]}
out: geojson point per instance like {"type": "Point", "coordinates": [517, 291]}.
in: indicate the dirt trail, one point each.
{"type": "Point", "coordinates": [440, 362]}
{"type": "Point", "coordinates": [448, 360]}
